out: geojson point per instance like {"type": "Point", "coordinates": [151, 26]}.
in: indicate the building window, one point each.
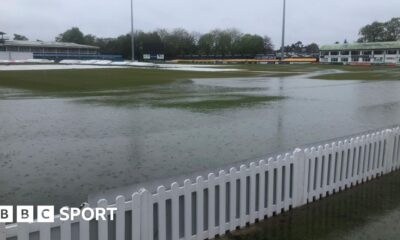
{"type": "Point", "coordinates": [345, 53]}
{"type": "Point", "coordinates": [334, 53]}
{"type": "Point", "coordinates": [2, 48]}
{"type": "Point", "coordinates": [378, 52]}
{"type": "Point", "coordinates": [334, 59]}
{"type": "Point", "coordinates": [355, 53]}
{"type": "Point", "coordinates": [366, 59]}
{"type": "Point", "coordinates": [367, 52]}
{"type": "Point", "coordinates": [37, 50]}
{"type": "Point", "coordinates": [324, 54]}
{"type": "Point", "coordinates": [378, 59]}
{"type": "Point", "coordinates": [354, 59]}
{"type": "Point", "coordinates": [392, 52]}
{"type": "Point", "coordinates": [345, 59]}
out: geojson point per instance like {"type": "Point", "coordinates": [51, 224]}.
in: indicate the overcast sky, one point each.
{"type": "Point", "coordinates": [320, 21]}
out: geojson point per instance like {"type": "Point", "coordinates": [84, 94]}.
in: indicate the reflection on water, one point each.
{"type": "Point", "coordinates": [58, 150]}
{"type": "Point", "coordinates": [368, 212]}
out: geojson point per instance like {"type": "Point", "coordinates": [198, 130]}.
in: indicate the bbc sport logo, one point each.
{"type": "Point", "coordinates": [45, 214]}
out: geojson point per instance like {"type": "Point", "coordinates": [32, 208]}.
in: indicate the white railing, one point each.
{"type": "Point", "coordinates": [230, 200]}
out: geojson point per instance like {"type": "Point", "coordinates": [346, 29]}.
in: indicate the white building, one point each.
{"type": "Point", "coordinates": [361, 53]}
{"type": "Point", "coordinates": [20, 50]}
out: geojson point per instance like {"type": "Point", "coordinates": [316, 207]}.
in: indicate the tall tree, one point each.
{"type": "Point", "coordinates": [225, 40]}
{"type": "Point", "coordinates": [148, 43]}
{"type": "Point", "coordinates": [312, 48]}
{"type": "Point", "coordinates": [73, 35]}
{"type": "Point", "coordinates": [392, 30]}
{"type": "Point", "coordinates": [20, 37]}
{"type": "Point", "coordinates": [177, 42]}
{"type": "Point", "coordinates": [89, 39]}
{"type": "Point", "coordinates": [249, 45]}
{"type": "Point", "coordinates": [373, 32]}
{"type": "Point", "coordinates": [206, 44]}
{"type": "Point", "coordinates": [268, 46]}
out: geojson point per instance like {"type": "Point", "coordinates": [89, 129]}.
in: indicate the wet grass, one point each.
{"type": "Point", "coordinates": [132, 87]}
{"type": "Point", "coordinates": [306, 68]}
{"type": "Point", "coordinates": [75, 81]}
{"type": "Point", "coordinates": [346, 215]}
{"type": "Point", "coordinates": [377, 74]}
{"type": "Point", "coordinates": [93, 81]}
{"type": "Point", "coordinates": [233, 101]}
{"type": "Point", "coordinates": [183, 95]}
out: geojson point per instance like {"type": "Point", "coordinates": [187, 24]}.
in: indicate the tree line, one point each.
{"type": "Point", "coordinates": [299, 48]}
{"type": "Point", "coordinates": [219, 43]}
{"type": "Point", "coordinates": [180, 43]}
{"type": "Point", "coordinates": [176, 43]}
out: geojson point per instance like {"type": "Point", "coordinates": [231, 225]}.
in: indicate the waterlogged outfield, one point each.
{"type": "Point", "coordinates": [129, 126]}
{"type": "Point", "coordinates": [133, 87]}
{"type": "Point", "coordinates": [170, 88]}
{"type": "Point", "coordinates": [347, 72]}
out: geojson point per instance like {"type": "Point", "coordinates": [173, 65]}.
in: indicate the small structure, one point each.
{"type": "Point", "coordinates": [361, 53]}
{"type": "Point", "coordinates": [2, 39]}
{"type": "Point", "coordinates": [153, 57]}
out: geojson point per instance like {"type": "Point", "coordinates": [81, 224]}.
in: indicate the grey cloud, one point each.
{"type": "Point", "coordinates": [320, 21]}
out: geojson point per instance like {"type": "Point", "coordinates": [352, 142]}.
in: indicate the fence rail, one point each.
{"type": "Point", "coordinates": [223, 202]}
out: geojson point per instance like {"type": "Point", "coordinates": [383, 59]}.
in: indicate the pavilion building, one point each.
{"type": "Point", "coordinates": [361, 53]}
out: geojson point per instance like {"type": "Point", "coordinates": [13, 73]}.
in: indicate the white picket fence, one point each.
{"type": "Point", "coordinates": [230, 200]}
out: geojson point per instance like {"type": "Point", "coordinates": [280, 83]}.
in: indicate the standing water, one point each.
{"type": "Point", "coordinates": [58, 150]}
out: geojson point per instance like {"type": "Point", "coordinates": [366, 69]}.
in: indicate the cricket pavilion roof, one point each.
{"type": "Point", "coordinates": [362, 46]}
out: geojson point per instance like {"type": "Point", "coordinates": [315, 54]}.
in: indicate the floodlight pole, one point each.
{"type": "Point", "coordinates": [283, 30]}
{"type": "Point", "coordinates": [132, 34]}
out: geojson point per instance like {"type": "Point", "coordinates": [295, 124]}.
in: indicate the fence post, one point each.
{"type": "Point", "coordinates": [102, 223]}
{"type": "Point", "coordinates": [84, 230]}
{"type": "Point", "coordinates": [299, 178]}
{"type": "Point", "coordinates": [147, 215]}
{"type": "Point", "coordinates": [174, 210]}
{"type": "Point", "coordinates": [136, 216]}
{"type": "Point", "coordinates": [23, 231]}
{"type": "Point", "coordinates": [389, 150]}
{"type": "Point", "coordinates": [2, 231]}
{"type": "Point", "coordinates": [120, 218]}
